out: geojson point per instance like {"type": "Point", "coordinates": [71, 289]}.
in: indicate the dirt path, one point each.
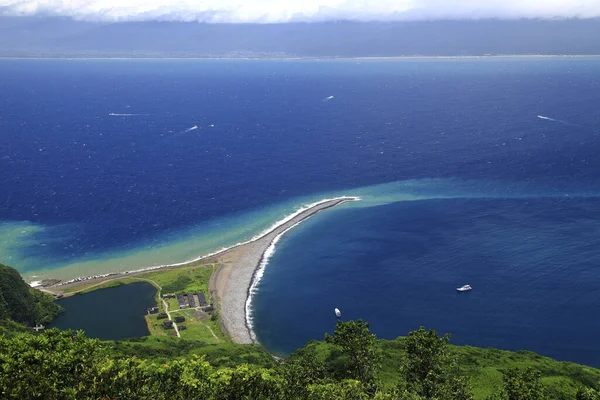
{"type": "Point", "coordinates": [156, 285]}
{"type": "Point", "coordinates": [211, 332]}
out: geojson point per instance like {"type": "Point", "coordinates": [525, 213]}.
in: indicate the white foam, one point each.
{"type": "Point", "coordinates": [260, 271]}
{"type": "Point", "coordinates": [257, 278]}
{"type": "Point", "coordinates": [35, 283]}
{"type": "Point", "coordinates": [123, 115]}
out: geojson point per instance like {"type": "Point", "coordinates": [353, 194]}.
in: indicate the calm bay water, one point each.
{"type": "Point", "coordinates": [115, 165]}
{"type": "Point", "coordinates": [532, 263]}
{"type": "Point", "coordinates": [110, 314]}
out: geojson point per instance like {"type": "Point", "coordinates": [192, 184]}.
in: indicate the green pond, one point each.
{"type": "Point", "coordinates": [109, 314]}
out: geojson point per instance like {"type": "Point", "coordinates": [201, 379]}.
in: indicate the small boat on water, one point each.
{"type": "Point", "coordinates": [464, 288]}
{"type": "Point", "coordinates": [338, 313]}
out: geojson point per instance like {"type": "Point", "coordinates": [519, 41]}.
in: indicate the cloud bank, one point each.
{"type": "Point", "coordinates": [276, 11]}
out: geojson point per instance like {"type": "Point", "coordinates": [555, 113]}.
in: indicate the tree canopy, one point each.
{"type": "Point", "coordinates": [67, 365]}
{"type": "Point", "coordinates": [21, 303]}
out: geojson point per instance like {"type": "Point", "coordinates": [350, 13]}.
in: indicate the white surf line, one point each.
{"type": "Point", "coordinates": [258, 274]}
{"type": "Point", "coordinates": [222, 250]}
{"type": "Point", "coordinates": [124, 115]}
{"type": "Point", "coordinates": [264, 261]}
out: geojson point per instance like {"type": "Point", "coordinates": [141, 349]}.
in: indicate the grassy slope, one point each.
{"type": "Point", "coordinates": [560, 378]}
{"type": "Point", "coordinates": [197, 329]}
{"type": "Point", "coordinates": [485, 368]}
{"type": "Point", "coordinates": [167, 348]}
{"type": "Point", "coordinates": [10, 328]}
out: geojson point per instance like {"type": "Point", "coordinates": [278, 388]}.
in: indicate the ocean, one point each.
{"type": "Point", "coordinates": [471, 171]}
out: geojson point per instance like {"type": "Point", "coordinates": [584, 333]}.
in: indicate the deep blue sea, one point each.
{"type": "Point", "coordinates": [472, 171]}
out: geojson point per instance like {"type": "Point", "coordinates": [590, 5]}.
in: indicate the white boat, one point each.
{"type": "Point", "coordinates": [338, 313]}
{"type": "Point", "coordinates": [464, 288]}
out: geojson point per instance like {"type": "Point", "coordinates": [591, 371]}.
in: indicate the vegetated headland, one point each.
{"type": "Point", "coordinates": [230, 285]}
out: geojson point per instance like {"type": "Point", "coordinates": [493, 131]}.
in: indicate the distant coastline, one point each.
{"type": "Point", "coordinates": [296, 58]}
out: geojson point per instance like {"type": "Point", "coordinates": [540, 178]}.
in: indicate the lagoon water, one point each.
{"type": "Point", "coordinates": [462, 182]}
{"type": "Point", "coordinates": [109, 314]}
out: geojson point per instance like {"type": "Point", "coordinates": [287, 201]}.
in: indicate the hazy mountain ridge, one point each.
{"type": "Point", "coordinates": [34, 36]}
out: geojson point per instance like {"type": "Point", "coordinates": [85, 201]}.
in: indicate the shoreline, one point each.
{"type": "Point", "coordinates": [90, 278]}
{"type": "Point", "coordinates": [241, 267]}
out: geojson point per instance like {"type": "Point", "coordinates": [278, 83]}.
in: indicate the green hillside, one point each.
{"type": "Point", "coordinates": [349, 364]}
{"type": "Point", "coordinates": [484, 367]}
{"type": "Point", "coordinates": [21, 303]}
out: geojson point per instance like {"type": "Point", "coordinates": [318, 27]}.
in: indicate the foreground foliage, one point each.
{"type": "Point", "coordinates": [67, 365]}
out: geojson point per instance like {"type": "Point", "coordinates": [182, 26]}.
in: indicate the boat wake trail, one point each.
{"type": "Point", "coordinates": [556, 120]}
{"type": "Point", "coordinates": [124, 115]}
{"type": "Point", "coordinates": [193, 128]}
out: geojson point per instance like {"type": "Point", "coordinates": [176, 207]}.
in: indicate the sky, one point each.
{"type": "Point", "coordinates": [278, 11]}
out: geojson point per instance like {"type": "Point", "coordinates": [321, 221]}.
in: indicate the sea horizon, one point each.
{"type": "Point", "coordinates": [307, 58]}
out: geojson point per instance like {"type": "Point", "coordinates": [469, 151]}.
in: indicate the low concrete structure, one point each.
{"type": "Point", "coordinates": [181, 301]}
{"type": "Point", "coordinates": [201, 299]}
